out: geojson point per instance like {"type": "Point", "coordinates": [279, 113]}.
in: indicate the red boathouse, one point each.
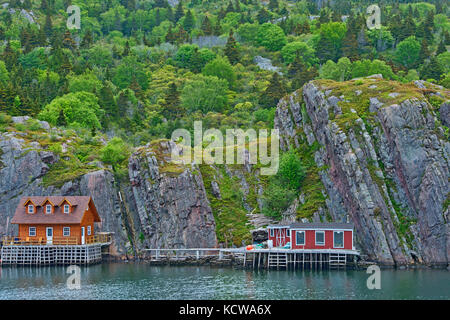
{"type": "Point", "coordinates": [312, 235]}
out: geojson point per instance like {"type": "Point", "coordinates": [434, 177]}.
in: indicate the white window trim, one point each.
{"type": "Point", "coordinates": [64, 233]}
{"type": "Point", "coordinates": [296, 238]}
{"type": "Point", "coordinates": [343, 239]}
{"type": "Point", "coordinates": [68, 208]}
{"type": "Point", "coordinates": [89, 231]}
{"type": "Point", "coordinates": [46, 208]}
{"type": "Point", "coordinates": [29, 231]}
{"type": "Point", "coordinates": [30, 206]}
{"type": "Point", "coordinates": [319, 244]}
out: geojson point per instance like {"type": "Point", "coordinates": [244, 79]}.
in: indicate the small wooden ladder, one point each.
{"type": "Point", "coordinates": [278, 260]}
{"type": "Point", "coordinates": [338, 260]}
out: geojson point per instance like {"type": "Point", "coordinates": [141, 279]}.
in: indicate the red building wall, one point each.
{"type": "Point", "coordinates": [279, 233]}
{"type": "Point", "coordinates": [310, 240]}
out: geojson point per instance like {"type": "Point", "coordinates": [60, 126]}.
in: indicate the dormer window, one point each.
{"type": "Point", "coordinates": [48, 209]}
{"type": "Point", "coordinates": [66, 208]}
{"type": "Point", "coordinates": [30, 208]}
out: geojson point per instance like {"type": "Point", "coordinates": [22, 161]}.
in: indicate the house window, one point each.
{"type": "Point", "coordinates": [66, 208]}
{"type": "Point", "coordinates": [271, 232]}
{"type": "Point", "coordinates": [32, 231]}
{"type": "Point", "coordinates": [320, 238]}
{"type": "Point", "coordinates": [288, 232]}
{"type": "Point", "coordinates": [300, 238]}
{"type": "Point", "coordinates": [338, 239]}
{"type": "Point", "coordinates": [66, 232]}
{"type": "Point", "coordinates": [48, 209]}
{"type": "Point", "coordinates": [89, 230]}
{"type": "Point", "coordinates": [30, 208]}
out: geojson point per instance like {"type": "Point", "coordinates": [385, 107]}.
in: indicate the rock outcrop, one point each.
{"type": "Point", "coordinates": [170, 211]}
{"type": "Point", "coordinates": [383, 161]}
{"type": "Point", "coordinates": [171, 201]}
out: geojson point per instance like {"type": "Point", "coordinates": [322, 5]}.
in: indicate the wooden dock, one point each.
{"type": "Point", "coordinates": [275, 258]}
{"type": "Point", "coordinates": [41, 254]}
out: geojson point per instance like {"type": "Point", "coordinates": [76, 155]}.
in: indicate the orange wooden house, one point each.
{"type": "Point", "coordinates": [56, 220]}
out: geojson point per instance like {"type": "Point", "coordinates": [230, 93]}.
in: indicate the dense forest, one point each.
{"type": "Point", "coordinates": [138, 69]}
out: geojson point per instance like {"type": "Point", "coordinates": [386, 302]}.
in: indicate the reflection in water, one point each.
{"type": "Point", "coordinates": [141, 281]}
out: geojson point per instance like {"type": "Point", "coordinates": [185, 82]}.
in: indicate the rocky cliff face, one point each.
{"type": "Point", "coordinates": [24, 166]}
{"type": "Point", "coordinates": [156, 207]}
{"type": "Point", "coordinates": [376, 153]}
{"type": "Point", "coordinates": [171, 201]}
{"type": "Point", "coordinates": [383, 159]}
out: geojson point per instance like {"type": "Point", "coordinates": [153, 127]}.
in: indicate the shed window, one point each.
{"type": "Point", "coordinates": [89, 230]}
{"type": "Point", "coordinates": [288, 232]}
{"type": "Point", "coordinates": [66, 231]}
{"type": "Point", "coordinates": [66, 208]}
{"type": "Point", "coordinates": [48, 208]}
{"type": "Point", "coordinates": [300, 238]}
{"type": "Point", "coordinates": [30, 208]}
{"type": "Point", "coordinates": [320, 238]}
{"type": "Point", "coordinates": [271, 232]}
{"type": "Point", "coordinates": [338, 237]}
{"type": "Point", "coordinates": [32, 231]}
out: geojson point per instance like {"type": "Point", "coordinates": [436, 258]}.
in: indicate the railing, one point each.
{"type": "Point", "coordinates": [99, 238]}
{"type": "Point", "coordinates": [33, 241]}
{"type": "Point", "coordinates": [181, 254]}
{"type": "Point", "coordinates": [29, 241]}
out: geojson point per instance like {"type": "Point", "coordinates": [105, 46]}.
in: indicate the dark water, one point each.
{"type": "Point", "coordinates": [141, 281]}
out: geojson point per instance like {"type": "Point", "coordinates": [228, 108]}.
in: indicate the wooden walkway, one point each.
{"type": "Point", "coordinates": [263, 258]}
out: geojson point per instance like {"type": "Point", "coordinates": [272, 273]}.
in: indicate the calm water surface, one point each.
{"type": "Point", "coordinates": [141, 281]}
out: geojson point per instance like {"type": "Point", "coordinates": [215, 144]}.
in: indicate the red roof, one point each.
{"type": "Point", "coordinates": [80, 204]}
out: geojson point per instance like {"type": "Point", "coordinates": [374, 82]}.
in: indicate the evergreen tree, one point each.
{"type": "Point", "coordinates": [431, 70]}
{"type": "Point", "coordinates": [170, 15]}
{"type": "Point", "coordinates": [68, 42]}
{"type": "Point", "coordinates": [424, 53]}
{"type": "Point", "coordinates": [231, 50]}
{"type": "Point", "coordinates": [446, 38]}
{"type": "Point", "coordinates": [171, 37]}
{"type": "Point", "coordinates": [217, 29]}
{"type": "Point", "coordinates": [207, 27]}
{"type": "Point", "coordinates": [179, 13]}
{"type": "Point", "coordinates": [126, 50]}
{"type": "Point", "coordinates": [408, 29]}
{"type": "Point", "coordinates": [87, 40]}
{"type": "Point", "coordinates": [274, 92]}
{"type": "Point", "coordinates": [350, 43]}
{"type": "Point", "coordinates": [9, 56]}
{"type": "Point", "coordinates": [48, 27]}
{"type": "Point", "coordinates": [441, 48]}
{"type": "Point", "coordinates": [263, 16]}
{"type": "Point", "coordinates": [300, 73]}
{"type": "Point", "coordinates": [188, 23]}
{"type": "Point", "coordinates": [230, 7]}
{"type": "Point", "coordinates": [221, 14]}
{"type": "Point", "coordinates": [273, 5]}
{"type": "Point", "coordinates": [237, 6]}
{"type": "Point", "coordinates": [157, 17]}
{"type": "Point", "coordinates": [429, 25]}
{"type": "Point", "coordinates": [172, 103]}
{"type": "Point", "coordinates": [61, 121]}
{"type": "Point", "coordinates": [134, 85]}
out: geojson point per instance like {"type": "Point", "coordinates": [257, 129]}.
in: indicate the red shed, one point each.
{"type": "Point", "coordinates": [313, 235]}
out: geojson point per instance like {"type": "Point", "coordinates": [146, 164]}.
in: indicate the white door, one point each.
{"type": "Point", "coordinates": [83, 241]}
{"type": "Point", "coordinates": [49, 233]}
